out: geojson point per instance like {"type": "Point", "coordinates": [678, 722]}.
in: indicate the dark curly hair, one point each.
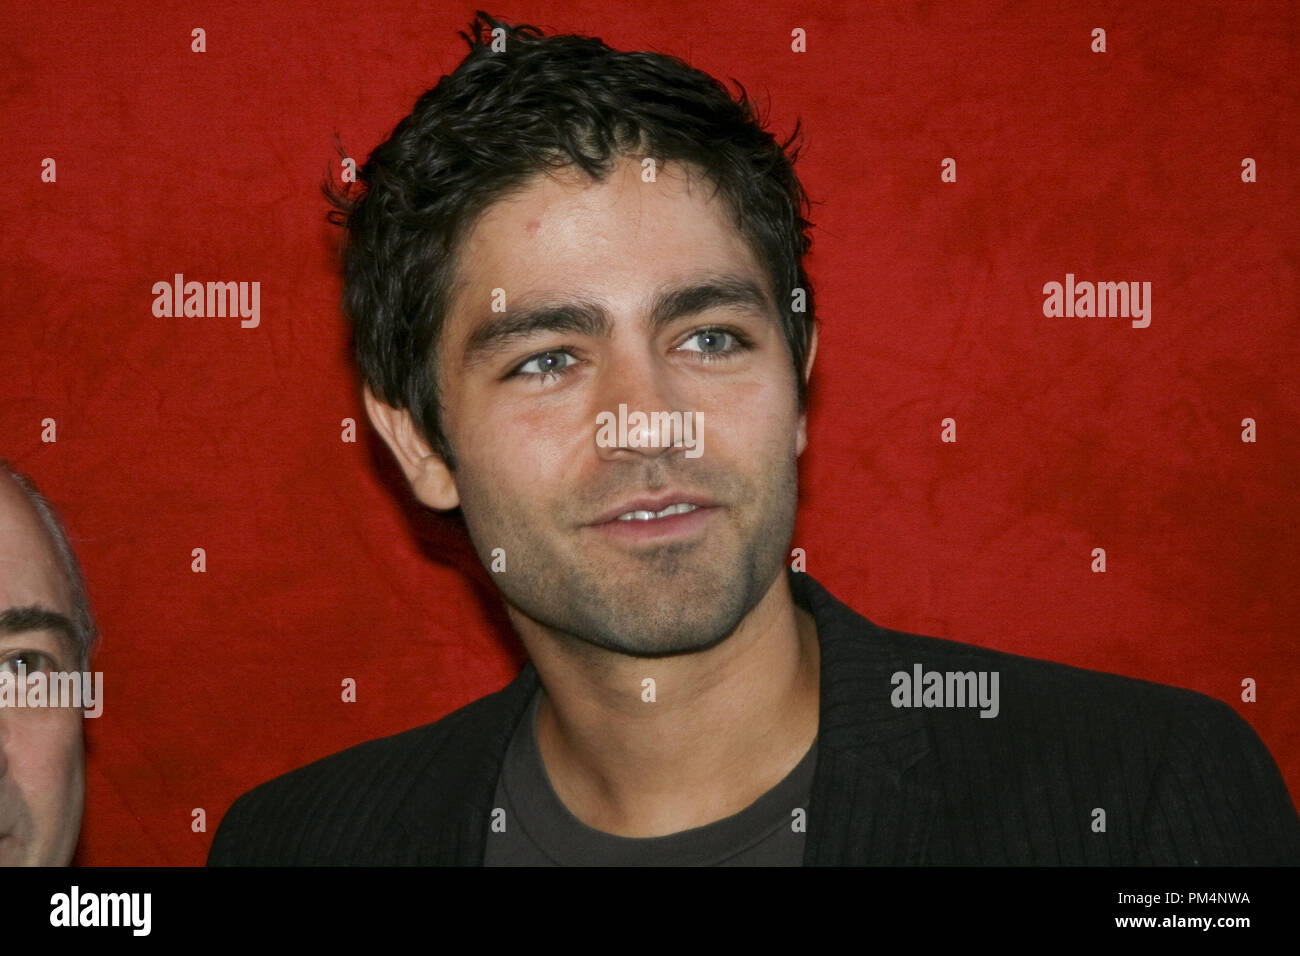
{"type": "Point", "coordinates": [498, 120]}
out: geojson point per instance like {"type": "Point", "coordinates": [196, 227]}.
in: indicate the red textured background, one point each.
{"type": "Point", "coordinates": [1073, 433]}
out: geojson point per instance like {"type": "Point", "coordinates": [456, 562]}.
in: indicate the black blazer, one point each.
{"type": "Point", "coordinates": [1179, 777]}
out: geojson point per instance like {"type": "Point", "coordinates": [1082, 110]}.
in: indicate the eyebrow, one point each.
{"type": "Point", "coordinates": [19, 620]}
{"type": "Point", "coordinates": [587, 317]}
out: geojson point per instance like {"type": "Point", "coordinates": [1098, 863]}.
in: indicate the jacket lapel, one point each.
{"type": "Point", "coordinates": [864, 811]}
{"type": "Point", "coordinates": [444, 819]}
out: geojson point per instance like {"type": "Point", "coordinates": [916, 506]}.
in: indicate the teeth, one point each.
{"type": "Point", "coordinates": [677, 509]}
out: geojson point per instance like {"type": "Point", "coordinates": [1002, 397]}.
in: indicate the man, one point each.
{"type": "Point", "coordinates": [45, 628]}
{"type": "Point", "coordinates": [559, 234]}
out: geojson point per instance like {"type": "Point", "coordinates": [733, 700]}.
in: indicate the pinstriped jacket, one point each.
{"type": "Point", "coordinates": [1077, 767]}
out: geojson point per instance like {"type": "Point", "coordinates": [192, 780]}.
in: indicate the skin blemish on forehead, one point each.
{"type": "Point", "coordinates": [532, 226]}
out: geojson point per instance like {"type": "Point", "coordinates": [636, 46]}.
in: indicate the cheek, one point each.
{"type": "Point", "coordinates": [509, 479]}
{"type": "Point", "coordinates": [46, 761]}
{"type": "Point", "coordinates": [756, 421]}
{"type": "Point", "coordinates": [55, 743]}
{"type": "Point", "coordinates": [522, 448]}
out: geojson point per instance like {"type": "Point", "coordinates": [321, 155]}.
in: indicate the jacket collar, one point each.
{"type": "Point", "coordinates": [862, 810]}
{"type": "Point", "coordinates": [446, 814]}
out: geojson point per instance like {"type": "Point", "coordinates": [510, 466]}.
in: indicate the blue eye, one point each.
{"type": "Point", "coordinates": [717, 342]}
{"type": "Point", "coordinates": [546, 364]}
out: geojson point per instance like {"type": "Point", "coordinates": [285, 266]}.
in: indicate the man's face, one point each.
{"type": "Point", "coordinates": [41, 756]}
{"type": "Point", "coordinates": [654, 301]}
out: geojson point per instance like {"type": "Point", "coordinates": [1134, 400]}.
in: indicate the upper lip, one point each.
{"type": "Point", "coordinates": [656, 503]}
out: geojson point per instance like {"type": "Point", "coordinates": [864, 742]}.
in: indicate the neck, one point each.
{"type": "Point", "coordinates": [725, 725]}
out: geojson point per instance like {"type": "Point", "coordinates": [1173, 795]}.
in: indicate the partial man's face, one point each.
{"type": "Point", "coordinates": [651, 300]}
{"type": "Point", "coordinates": [42, 788]}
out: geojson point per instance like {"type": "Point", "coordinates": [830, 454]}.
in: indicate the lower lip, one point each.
{"type": "Point", "coordinates": [671, 526]}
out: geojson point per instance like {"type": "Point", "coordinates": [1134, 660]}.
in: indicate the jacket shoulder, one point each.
{"type": "Point", "coordinates": [348, 808]}
{"type": "Point", "coordinates": [1183, 778]}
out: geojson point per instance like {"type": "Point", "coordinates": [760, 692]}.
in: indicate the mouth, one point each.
{"type": "Point", "coordinates": [681, 508]}
{"type": "Point", "coordinates": [673, 502]}
{"type": "Point", "coordinates": [671, 517]}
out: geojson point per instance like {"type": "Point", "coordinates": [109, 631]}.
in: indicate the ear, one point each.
{"type": "Point", "coordinates": [801, 433]}
{"type": "Point", "coordinates": [430, 478]}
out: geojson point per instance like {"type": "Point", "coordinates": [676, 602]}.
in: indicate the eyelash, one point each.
{"type": "Point", "coordinates": [742, 344]}
{"type": "Point", "coordinates": [11, 660]}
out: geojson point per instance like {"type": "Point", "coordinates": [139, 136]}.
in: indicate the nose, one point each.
{"type": "Point", "coordinates": [633, 399]}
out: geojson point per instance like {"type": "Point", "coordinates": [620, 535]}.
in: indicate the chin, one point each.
{"type": "Point", "coordinates": [662, 631]}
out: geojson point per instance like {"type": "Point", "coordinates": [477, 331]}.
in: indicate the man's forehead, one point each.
{"type": "Point", "coordinates": [568, 211]}
{"type": "Point", "coordinates": [30, 573]}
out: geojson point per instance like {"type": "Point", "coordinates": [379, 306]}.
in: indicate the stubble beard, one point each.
{"type": "Point", "coordinates": [641, 601]}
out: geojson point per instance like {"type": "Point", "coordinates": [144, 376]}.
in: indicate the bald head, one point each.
{"type": "Point", "coordinates": [41, 750]}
